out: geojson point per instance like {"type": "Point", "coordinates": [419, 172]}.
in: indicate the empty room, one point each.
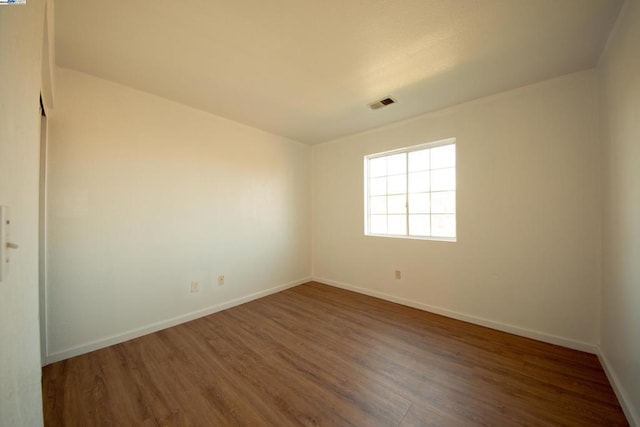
{"type": "Point", "coordinates": [341, 212]}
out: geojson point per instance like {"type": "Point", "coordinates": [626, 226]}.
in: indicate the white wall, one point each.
{"type": "Point", "coordinates": [620, 94]}
{"type": "Point", "coordinates": [147, 195]}
{"type": "Point", "coordinates": [21, 29]}
{"type": "Point", "coordinates": [528, 249]}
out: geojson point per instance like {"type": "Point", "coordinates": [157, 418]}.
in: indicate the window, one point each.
{"type": "Point", "coordinates": [411, 192]}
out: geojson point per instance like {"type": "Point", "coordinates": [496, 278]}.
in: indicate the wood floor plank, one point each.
{"type": "Point", "coordinates": [317, 355]}
{"type": "Point", "coordinates": [495, 356]}
{"type": "Point", "coordinates": [310, 382]}
{"type": "Point", "coordinates": [429, 377]}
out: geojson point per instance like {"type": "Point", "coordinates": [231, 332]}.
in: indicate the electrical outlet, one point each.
{"type": "Point", "coordinates": [398, 275]}
{"type": "Point", "coordinates": [220, 280]}
{"type": "Point", "coordinates": [195, 286]}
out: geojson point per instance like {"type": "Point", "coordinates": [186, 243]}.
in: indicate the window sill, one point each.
{"type": "Point", "coordinates": [393, 236]}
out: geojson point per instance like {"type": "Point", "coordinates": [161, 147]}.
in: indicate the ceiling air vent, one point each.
{"type": "Point", "coordinates": [382, 103]}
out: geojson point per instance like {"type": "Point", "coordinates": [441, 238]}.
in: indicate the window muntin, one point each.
{"type": "Point", "coordinates": [411, 192]}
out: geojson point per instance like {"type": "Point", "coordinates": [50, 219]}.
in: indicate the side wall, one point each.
{"type": "Point", "coordinates": [528, 249]}
{"type": "Point", "coordinates": [21, 29]}
{"type": "Point", "coordinates": [620, 95]}
{"type": "Point", "coordinates": [146, 196]}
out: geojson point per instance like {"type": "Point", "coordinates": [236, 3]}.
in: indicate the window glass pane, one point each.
{"type": "Point", "coordinates": [397, 224]}
{"type": "Point", "coordinates": [443, 157]}
{"type": "Point", "coordinates": [378, 205]}
{"type": "Point", "coordinates": [419, 203]}
{"type": "Point", "coordinates": [412, 192]}
{"type": "Point", "coordinates": [398, 204]}
{"type": "Point", "coordinates": [378, 224]}
{"type": "Point", "coordinates": [377, 186]}
{"type": "Point", "coordinates": [397, 164]}
{"type": "Point", "coordinates": [443, 225]}
{"type": "Point", "coordinates": [443, 179]}
{"type": "Point", "coordinates": [418, 182]}
{"type": "Point", "coordinates": [397, 184]}
{"type": "Point", "coordinates": [377, 167]}
{"type": "Point", "coordinates": [419, 225]}
{"type": "Point", "coordinates": [443, 202]}
{"type": "Point", "coordinates": [419, 160]}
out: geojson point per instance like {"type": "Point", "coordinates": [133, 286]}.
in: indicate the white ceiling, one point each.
{"type": "Point", "coordinates": [307, 69]}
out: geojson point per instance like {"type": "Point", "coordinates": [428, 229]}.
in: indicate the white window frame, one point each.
{"type": "Point", "coordinates": [367, 213]}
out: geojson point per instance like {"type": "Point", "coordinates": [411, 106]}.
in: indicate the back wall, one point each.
{"type": "Point", "coordinates": [527, 258]}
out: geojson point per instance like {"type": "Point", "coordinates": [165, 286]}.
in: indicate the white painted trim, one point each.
{"type": "Point", "coordinates": [512, 329]}
{"type": "Point", "coordinates": [164, 324]}
{"type": "Point", "coordinates": [625, 401]}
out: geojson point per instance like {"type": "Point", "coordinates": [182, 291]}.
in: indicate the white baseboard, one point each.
{"type": "Point", "coordinates": [625, 401]}
{"type": "Point", "coordinates": [164, 324]}
{"type": "Point", "coordinates": [516, 330]}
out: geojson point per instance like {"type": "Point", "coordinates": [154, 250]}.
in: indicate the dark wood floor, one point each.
{"type": "Point", "coordinates": [316, 355]}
